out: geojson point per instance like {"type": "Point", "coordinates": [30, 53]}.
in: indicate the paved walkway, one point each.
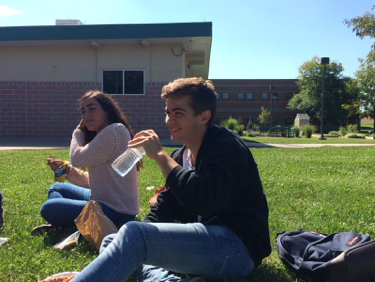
{"type": "Point", "coordinates": [63, 143]}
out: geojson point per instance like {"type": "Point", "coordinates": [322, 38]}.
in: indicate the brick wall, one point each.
{"type": "Point", "coordinates": [50, 109]}
{"type": "Point", "coordinates": [246, 108]}
{"type": "Point", "coordinates": [367, 119]}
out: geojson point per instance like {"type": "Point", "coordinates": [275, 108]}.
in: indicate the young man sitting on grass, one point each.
{"type": "Point", "coordinates": [212, 219]}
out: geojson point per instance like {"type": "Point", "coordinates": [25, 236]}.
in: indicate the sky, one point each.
{"type": "Point", "coordinates": [252, 39]}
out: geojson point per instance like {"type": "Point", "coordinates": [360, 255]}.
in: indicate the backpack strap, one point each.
{"type": "Point", "coordinates": [291, 260]}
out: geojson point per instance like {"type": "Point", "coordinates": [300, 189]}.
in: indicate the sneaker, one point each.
{"type": "Point", "coordinates": [47, 228]}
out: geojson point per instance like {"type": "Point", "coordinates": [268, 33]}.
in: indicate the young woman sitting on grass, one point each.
{"type": "Point", "coordinates": [101, 136]}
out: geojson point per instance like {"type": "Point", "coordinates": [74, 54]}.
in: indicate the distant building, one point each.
{"type": "Point", "coordinates": [243, 98]}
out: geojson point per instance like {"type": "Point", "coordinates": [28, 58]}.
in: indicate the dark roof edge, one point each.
{"type": "Point", "coordinates": [105, 31]}
{"type": "Point", "coordinates": [250, 79]}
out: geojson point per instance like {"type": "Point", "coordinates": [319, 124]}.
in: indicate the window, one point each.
{"type": "Point", "coordinates": [240, 96]}
{"type": "Point", "coordinates": [217, 95]}
{"type": "Point", "coordinates": [288, 121]}
{"type": "Point", "coordinates": [274, 121]}
{"type": "Point", "coordinates": [274, 95]}
{"type": "Point", "coordinates": [225, 95]}
{"type": "Point", "coordinates": [264, 96]}
{"type": "Point", "coordinates": [249, 96]}
{"type": "Point", "coordinates": [288, 95]}
{"type": "Point", "coordinates": [129, 82]}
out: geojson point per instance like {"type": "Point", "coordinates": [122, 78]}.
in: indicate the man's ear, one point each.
{"type": "Point", "coordinates": [205, 116]}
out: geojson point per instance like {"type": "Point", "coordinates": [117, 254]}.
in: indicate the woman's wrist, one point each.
{"type": "Point", "coordinates": [68, 169]}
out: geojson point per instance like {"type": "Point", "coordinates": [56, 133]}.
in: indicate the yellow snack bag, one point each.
{"type": "Point", "coordinates": [61, 170]}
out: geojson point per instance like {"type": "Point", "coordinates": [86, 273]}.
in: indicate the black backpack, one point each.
{"type": "Point", "coordinates": [312, 253]}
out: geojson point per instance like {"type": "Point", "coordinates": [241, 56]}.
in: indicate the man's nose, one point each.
{"type": "Point", "coordinates": [169, 119]}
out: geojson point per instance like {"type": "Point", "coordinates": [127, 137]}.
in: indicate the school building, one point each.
{"type": "Point", "coordinates": [243, 98]}
{"type": "Point", "coordinates": [44, 70]}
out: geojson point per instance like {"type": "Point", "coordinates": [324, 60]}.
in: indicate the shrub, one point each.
{"type": "Point", "coordinates": [239, 128]}
{"type": "Point", "coordinates": [230, 123]}
{"type": "Point", "coordinates": [342, 131]}
{"type": "Point", "coordinates": [249, 125]}
{"type": "Point", "coordinates": [351, 128]}
{"type": "Point", "coordinates": [234, 125]}
{"type": "Point", "coordinates": [355, 135]}
{"type": "Point", "coordinates": [251, 133]}
{"type": "Point", "coordinates": [334, 133]}
{"type": "Point", "coordinates": [309, 130]}
{"type": "Point", "coordinates": [264, 117]}
{"type": "Point", "coordinates": [296, 131]}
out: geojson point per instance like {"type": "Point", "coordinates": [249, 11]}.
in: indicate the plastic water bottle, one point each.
{"type": "Point", "coordinates": [125, 162]}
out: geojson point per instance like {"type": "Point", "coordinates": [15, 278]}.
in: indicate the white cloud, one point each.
{"type": "Point", "coordinates": [7, 11]}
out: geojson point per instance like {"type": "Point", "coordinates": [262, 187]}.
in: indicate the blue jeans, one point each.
{"type": "Point", "coordinates": [66, 201]}
{"type": "Point", "coordinates": [211, 251]}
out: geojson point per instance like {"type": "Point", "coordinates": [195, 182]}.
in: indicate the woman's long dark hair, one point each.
{"type": "Point", "coordinates": [115, 115]}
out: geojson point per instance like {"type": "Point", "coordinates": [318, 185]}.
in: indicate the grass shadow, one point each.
{"type": "Point", "coordinates": [366, 129]}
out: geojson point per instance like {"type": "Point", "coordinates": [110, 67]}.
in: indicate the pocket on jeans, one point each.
{"type": "Point", "coordinates": [226, 268]}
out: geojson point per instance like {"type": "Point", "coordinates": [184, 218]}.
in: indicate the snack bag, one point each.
{"type": "Point", "coordinates": [69, 242]}
{"type": "Point", "coordinates": [61, 170]}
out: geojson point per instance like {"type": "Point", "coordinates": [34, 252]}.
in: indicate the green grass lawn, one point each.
{"type": "Point", "coordinates": [366, 126]}
{"type": "Point", "coordinates": [304, 140]}
{"type": "Point", "coordinates": [327, 189]}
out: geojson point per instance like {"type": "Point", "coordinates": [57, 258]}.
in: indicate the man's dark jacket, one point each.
{"type": "Point", "coordinates": [224, 188]}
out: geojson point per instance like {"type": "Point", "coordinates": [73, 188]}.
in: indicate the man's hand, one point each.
{"type": "Point", "coordinates": [150, 142]}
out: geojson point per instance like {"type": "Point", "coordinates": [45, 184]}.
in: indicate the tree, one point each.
{"type": "Point", "coordinates": [354, 107]}
{"type": "Point", "coordinates": [264, 117]}
{"type": "Point", "coordinates": [338, 90]}
{"type": "Point", "coordinates": [366, 78]}
{"type": "Point", "coordinates": [365, 26]}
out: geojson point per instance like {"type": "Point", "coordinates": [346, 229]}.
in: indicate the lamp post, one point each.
{"type": "Point", "coordinates": [272, 88]}
{"type": "Point", "coordinates": [324, 61]}
{"type": "Point", "coordinates": [271, 122]}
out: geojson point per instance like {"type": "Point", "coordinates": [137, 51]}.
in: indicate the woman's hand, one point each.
{"type": "Point", "coordinates": [81, 125]}
{"type": "Point", "coordinates": [52, 164]}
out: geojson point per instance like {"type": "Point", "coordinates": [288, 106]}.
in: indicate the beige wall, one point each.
{"type": "Point", "coordinates": [54, 63]}
{"type": "Point", "coordinates": [85, 63]}
{"type": "Point", "coordinates": [164, 65]}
